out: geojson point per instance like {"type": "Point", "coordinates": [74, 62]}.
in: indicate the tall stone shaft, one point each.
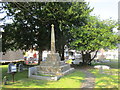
{"type": "Point", "coordinates": [52, 39]}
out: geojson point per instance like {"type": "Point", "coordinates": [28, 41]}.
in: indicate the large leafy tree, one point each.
{"type": "Point", "coordinates": [96, 34]}
{"type": "Point", "coordinates": [32, 23]}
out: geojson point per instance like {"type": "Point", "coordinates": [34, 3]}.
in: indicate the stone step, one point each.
{"type": "Point", "coordinates": [62, 63]}
{"type": "Point", "coordinates": [45, 73]}
{"type": "Point", "coordinates": [64, 67]}
{"type": "Point", "coordinates": [52, 78]}
{"type": "Point", "coordinates": [49, 63]}
{"type": "Point", "coordinates": [61, 69]}
{"type": "Point", "coordinates": [52, 69]}
{"type": "Point", "coordinates": [55, 78]}
{"type": "Point", "coordinates": [44, 66]}
{"type": "Point", "coordinates": [68, 71]}
{"type": "Point", "coordinates": [61, 73]}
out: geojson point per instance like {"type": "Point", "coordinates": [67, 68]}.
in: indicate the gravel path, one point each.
{"type": "Point", "coordinates": [89, 80]}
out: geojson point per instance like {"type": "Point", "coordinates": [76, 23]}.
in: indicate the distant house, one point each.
{"type": "Point", "coordinates": [109, 54]}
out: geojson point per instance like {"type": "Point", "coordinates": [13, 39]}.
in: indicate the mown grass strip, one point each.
{"type": "Point", "coordinates": [73, 80]}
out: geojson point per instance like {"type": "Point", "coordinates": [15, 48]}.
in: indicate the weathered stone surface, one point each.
{"type": "Point", "coordinates": [62, 63]}
{"type": "Point", "coordinates": [64, 67]}
{"type": "Point", "coordinates": [50, 70]}
{"type": "Point", "coordinates": [32, 71]}
{"type": "Point", "coordinates": [54, 78]}
{"type": "Point", "coordinates": [53, 59]}
{"type": "Point", "coordinates": [101, 67]}
{"type": "Point", "coordinates": [53, 66]}
{"type": "Point", "coordinates": [52, 40]}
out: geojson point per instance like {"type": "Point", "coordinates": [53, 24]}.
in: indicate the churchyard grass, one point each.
{"type": "Point", "coordinates": [18, 75]}
{"type": "Point", "coordinates": [113, 60]}
{"type": "Point", "coordinates": [111, 64]}
{"type": "Point", "coordinates": [73, 80]}
{"type": "Point", "coordinates": [108, 78]}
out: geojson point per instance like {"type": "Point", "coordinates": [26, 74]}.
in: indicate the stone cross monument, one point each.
{"type": "Point", "coordinates": [52, 40]}
{"type": "Point", "coordinates": [53, 65]}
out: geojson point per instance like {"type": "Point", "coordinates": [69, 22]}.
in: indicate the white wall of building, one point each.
{"type": "Point", "coordinates": [109, 54]}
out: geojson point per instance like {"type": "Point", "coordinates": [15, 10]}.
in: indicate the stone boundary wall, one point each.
{"type": "Point", "coordinates": [12, 55]}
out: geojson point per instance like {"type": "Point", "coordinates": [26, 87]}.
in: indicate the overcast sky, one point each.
{"type": "Point", "coordinates": [105, 8]}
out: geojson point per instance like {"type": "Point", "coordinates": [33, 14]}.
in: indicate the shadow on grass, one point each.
{"type": "Point", "coordinates": [72, 80]}
{"type": "Point", "coordinates": [114, 65]}
{"type": "Point", "coordinates": [65, 82]}
{"type": "Point", "coordinates": [29, 83]}
{"type": "Point", "coordinates": [105, 80]}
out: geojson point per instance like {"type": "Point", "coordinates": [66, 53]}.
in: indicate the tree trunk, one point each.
{"type": "Point", "coordinates": [94, 56]}
{"type": "Point", "coordinates": [40, 56]}
{"type": "Point", "coordinates": [62, 57]}
{"type": "Point", "coordinates": [83, 57]}
{"type": "Point", "coordinates": [60, 53]}
{"type": "Point", "coordinates": [86, 58]}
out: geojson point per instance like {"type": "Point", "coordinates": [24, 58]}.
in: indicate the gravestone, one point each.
{"type": "Point", "coordinates": [9, 67]}
{"type": "Point", "coordinates": [101, 68]}
{"type": "Point", "coordinates": [13, 69]}
{"type": "Point", "coordinates": [53, 65]}
{"type": "Point", "coordinates": [20, 68]}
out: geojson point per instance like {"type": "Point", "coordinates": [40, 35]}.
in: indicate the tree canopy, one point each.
{"type": "Point", "coordinates": [73, 27]}
{"type": "Point", "coordinates": [96, 34]}
{"type": "Point", "coordinates": [32, 23]}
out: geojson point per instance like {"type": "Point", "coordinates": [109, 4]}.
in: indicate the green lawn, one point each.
{"type": "Point", "coordinates": [72, 80]}
{"type": "Point", "coordinates": [107, 79]}
{"type": "Point", "coordinates": [111, 64]}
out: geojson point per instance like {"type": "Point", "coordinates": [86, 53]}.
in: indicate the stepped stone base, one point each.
{"type": "Point", "coordinates": [52, 78]}
{"type": "Point", "coordinates": [52, 67]}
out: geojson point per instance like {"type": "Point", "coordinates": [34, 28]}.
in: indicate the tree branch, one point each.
{"type": "Point", "coordinates": [94, 55]}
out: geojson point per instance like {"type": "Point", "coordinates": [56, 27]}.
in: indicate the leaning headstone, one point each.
{"type": "Point", "coordinates": [9, 67]}
{"type": "Point", "coordinates": [20, 68]}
